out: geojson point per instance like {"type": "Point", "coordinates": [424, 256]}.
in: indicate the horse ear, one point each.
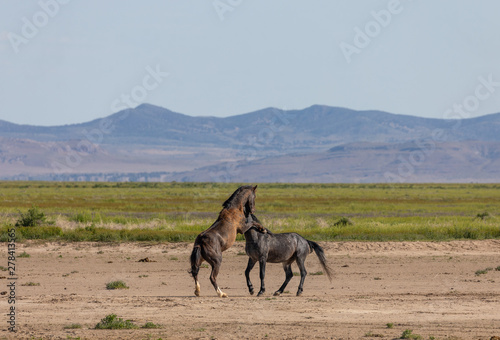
{"type": "Point", "coordinates": [254, 188]}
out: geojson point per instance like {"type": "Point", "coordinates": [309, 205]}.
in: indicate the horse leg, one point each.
{"type": "Point", "coordinates": [250, 265]}
{"type": "Point", "coordinates": [196, 260]}
{"type": "Point", "coordinates": [215, 263]}
{"type": "Point", "coordinates": [289, 274]}
{"type": "Point", "coordinates": [303, 273]}
{"type": "Point", "coordinates": [262, 267]}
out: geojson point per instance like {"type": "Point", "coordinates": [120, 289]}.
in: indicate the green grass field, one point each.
{"type": "Point", "coordinates": [179, 211]}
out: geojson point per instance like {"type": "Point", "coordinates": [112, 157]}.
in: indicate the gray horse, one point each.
{"type": "Point", "coordinates": [284, 248]}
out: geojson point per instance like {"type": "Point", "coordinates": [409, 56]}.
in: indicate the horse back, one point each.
{"type": "Point", "coordinates": [283, 247]}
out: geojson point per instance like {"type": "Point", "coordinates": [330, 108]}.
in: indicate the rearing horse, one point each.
{"type": "Point", "coordinates": [210, 244]}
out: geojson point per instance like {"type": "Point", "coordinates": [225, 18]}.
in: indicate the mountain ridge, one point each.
{"type": "Point", "coordinates": [149, 138]}
{"type": "Point", "coordinates": [342, 116]}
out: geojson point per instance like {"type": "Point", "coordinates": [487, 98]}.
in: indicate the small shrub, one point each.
{"type": "Point", "coordinates": [150, 325]}
{"type": "Point", "coordinates": [483, 271]}
{"type": "Point", "coordinates": [390, 325]}
{"type": "Point", "coordinates": [32, 218]}
{"type": "Point", "coordinates": [117, 285]}
{"type": "Point", "coordinates": [483, 215]}
{"type": "Point", "coordinates": [111, 321]}
{"type": "Point", "coordinates": [408, 334]}
{"type": "Point", "coordinates": [30, 284]}
{"type": "Point", "coordinates": [342, 222]}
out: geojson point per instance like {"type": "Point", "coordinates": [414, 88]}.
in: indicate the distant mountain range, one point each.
{"type": "Point", "coordinates": [316, 144]}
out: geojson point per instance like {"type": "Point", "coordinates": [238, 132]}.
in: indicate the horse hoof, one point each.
{"type": "Point", "coordinates": [251, 292]}
{"type": "Point", "coordinates": [277, 294]}
{"type": "Point", "coordinates": [197, 292]}
{"type": "Point", "coordinates": [260, 294]}
{"type": "Point", "coordinates": [224, 295]}
{"type": "Point", "coordinates": [299, 293]}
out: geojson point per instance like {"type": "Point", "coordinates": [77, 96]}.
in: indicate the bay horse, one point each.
{"type": "Point", "coordinates": [210, 244]}
{"type": "Point", "coordinates": [284, 248]}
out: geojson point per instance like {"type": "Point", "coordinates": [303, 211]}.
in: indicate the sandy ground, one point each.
{"type": "Point", "coordinates": [430, 288]}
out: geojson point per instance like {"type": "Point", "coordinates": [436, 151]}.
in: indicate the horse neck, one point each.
{"type": "Point", "coordinates": [251, 234]}
{"type": "Point", "coordinates": [230, 219]}
{"type": "Point", "coordinates": [240, 201]}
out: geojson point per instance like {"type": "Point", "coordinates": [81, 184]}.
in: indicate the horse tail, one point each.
{"type": "Point", "coordinates": [322, 258]}
{"type": "Point", "coordinates": [195, 261]}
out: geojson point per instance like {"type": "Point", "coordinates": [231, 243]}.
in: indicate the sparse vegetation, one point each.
{"type": "Point", "coordinates": [24, 255]}
{"type": "Point", "coordinates": [30, 284]}
{"type": "Point", "coordinates": [483, 271]}
{"type": "Point", "coordinates": [73, 326]}
{"type": "Point", "coordinates": [117, 285]}
{"type": "Point", "coordinates": [390, 325]}
{"type": "Point", "coordinates": [317, 273]}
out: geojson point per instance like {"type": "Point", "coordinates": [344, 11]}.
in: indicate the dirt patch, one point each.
{"type": "Point", "coordinates": [431, 288]}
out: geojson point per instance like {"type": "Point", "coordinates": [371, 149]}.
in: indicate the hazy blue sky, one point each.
{"type": "Point", "coordinates": [72, 61]}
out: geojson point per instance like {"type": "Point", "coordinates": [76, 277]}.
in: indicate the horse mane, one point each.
{"type": "Point", "coordinates": [260, 231]}
{"type": "Point", "coordinates": [231, 201]}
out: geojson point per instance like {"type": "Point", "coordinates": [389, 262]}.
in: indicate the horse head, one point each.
{"type": "Point", "coordinates": [249, 206]}
{"type": "Point", "coordinates": [243, 198]}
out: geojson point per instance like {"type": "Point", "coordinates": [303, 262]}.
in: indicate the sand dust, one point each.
{"type": "Point", "coordinates": [430, 288]}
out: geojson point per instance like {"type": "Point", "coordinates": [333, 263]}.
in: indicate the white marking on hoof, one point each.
{"type": "Point", "coordinates": [197, 289]}
{"type": "Point", "coordinates": [220, 293]}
